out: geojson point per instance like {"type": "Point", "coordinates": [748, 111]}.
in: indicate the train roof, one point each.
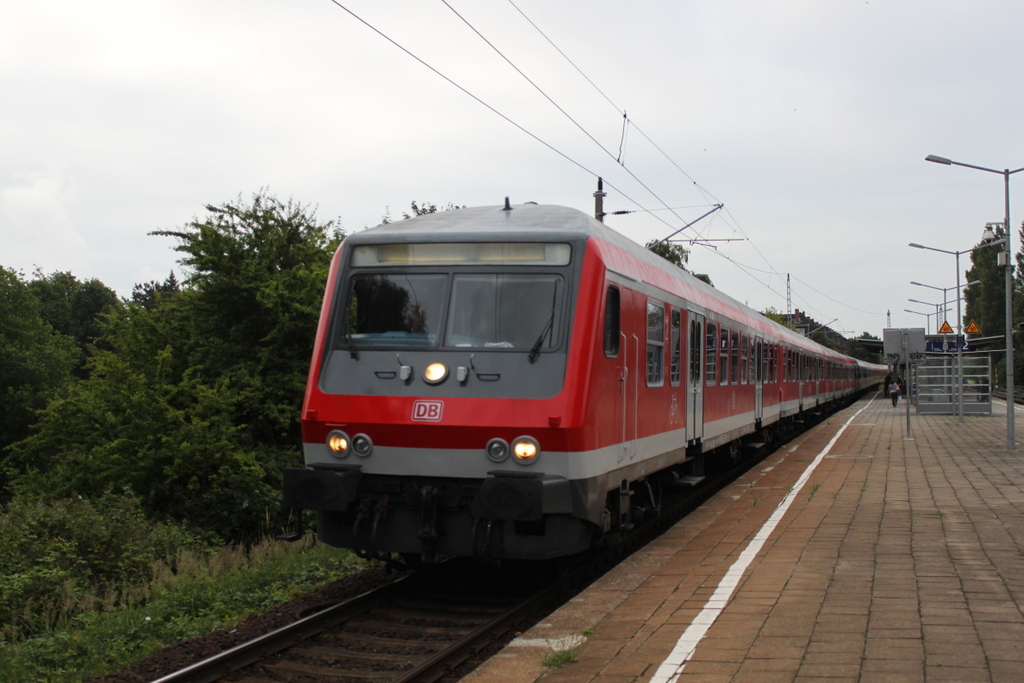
{"type": "Point", "coordinates": [549, 223]}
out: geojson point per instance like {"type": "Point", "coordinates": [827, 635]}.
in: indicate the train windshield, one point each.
{"type": "Point", "coordinates": [521, 311]}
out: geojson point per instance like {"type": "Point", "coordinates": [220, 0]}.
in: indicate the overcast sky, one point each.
{"type": "Point", "coordinates": [808, 120]}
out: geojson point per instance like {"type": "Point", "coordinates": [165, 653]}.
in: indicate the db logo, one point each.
{"type": "Point", "coordinates": [427, 411]}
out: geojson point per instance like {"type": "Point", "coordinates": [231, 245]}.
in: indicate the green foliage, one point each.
{"type": "Point", "coordinates": [149, 294]}
{"type": "Point", "coordinates": [775, 316]}
{"type": "Point", "coordinates": [560, 658]}
{"type": "Point", "coordinates": [821, 338]}
{"type": "Point", "coordinates": [57, 558]}
{"type": "Point", "coordinates": [201, 594]}
{"type": "Point", "coordinates": [677, 255]}
{"type": "Point", "coordinates": [418, 210]}
{"type": "Point", "coordinates": [855, 350]}
{"type": "Point", "coordinates": [35, 360]}
{"type": "Point", "coordinates": [194, 402]}
{"type": "Point", "coordinates": [73, 308]}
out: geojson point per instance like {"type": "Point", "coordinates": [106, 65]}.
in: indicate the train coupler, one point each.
{"type": "Point", "coordinates": [371, 513]}
{"type": "Point", "coordinates": [431, 500]}
{"type": "Point", "coordinates": [486, 538]}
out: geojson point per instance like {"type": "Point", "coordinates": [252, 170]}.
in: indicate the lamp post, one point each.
{"type": "Point", "coordinates": [940, 309]}
{"type": "Point", "coordinates": [959, 318]}
{"type": "Point", "coordinates": [944, 290]}
{"type": "Point", "coordinates": [1006, 173]}
{"type": "Point", "coordinates": [928, 318]}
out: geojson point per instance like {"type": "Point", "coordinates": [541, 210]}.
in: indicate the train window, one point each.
{"type": "Point", "coordinates": [395, 310]}
{"type": "Point", "coordinates": [734, 366]}
{"type": "Point", "coordinates": [505, 311]}
{"type": "Point", "coordinates": [675, 340]}
{"type": "Point", "coordinates": [611, 322]}
{"type": "Point", "coordinates": [758, 363]}
{"type": "Point", "coordinates": [752, 363]}
{"type": "Point", "coordinates": [723, 356]}
{"type": "Point", "coordinates": [711, 353]}
{"type": "Point", "coordinates": [744, 361]}
{"type": "Point", "coordinates": [655, 343]}
{"type": "Point", "coordinates": [695, 351]}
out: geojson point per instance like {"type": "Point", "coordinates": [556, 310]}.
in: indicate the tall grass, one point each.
{"type": "Point", "coordinates": [191, 595]}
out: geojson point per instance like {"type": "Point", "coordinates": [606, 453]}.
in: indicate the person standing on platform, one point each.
{"type": "Point", "coordinates": [894, 392]}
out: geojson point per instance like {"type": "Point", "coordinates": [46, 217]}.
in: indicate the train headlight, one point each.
{"type": "Point", "coordinates": [362, 445]}
{"type": "Point", "coordinates": [339, 443]}
{"type": "Point", "coordinates": [435, 373]}
{"type": "Point", "coordinates": [525, 450]}
{"type": "Point", "coordinates": [497, 450]}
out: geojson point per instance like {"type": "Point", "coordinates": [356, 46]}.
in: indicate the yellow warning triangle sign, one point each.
{"type": "Point", "coordinates": [945, 329]}
{"type": "Point", "coordinates": [973, 328]}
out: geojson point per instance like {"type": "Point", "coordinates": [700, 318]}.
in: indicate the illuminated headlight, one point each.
{"type": "Point", "coordinates": [525, 450]}
{"type": "Point", "coordinates": [361, 445]}
{"type": "Point", "coordinates": [497, 449]}
{"type": "Point", "coordinates": [435, 373]}
{"type": "Point", "coordinates": [338, 443]}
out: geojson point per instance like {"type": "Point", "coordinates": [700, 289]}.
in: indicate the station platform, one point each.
{"type": "Point", "coordinates": [851, 554]}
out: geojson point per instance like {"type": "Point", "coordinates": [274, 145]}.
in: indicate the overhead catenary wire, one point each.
{"type": "Point", "coordinates": [565, 113]}
{"type": "Point", "coordinates": [711, 198]}
{"type": "Point", "coordinates": [465, 91]}
{"type": "Point", "coordinates": [626, 123]}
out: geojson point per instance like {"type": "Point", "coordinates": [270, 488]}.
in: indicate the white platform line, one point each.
{"type": "Point", "coordinates": [670, 670]}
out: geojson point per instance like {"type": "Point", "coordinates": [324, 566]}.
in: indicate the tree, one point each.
{"type": "Point", "coordinates": [35, 360]}
{"type": "Point", "coordinates": [855, 350]}
{"type": "Point", "coordinates": [149, 294]}
{"type": "Point", "coordinates": [417, 210]}
{"type": "Point", "coordinates": [677, 255]}
{"type": "Point", "coordinates": [73, 308]}
{"type": "Point", "coordinates": [985, 303]}
{"type": "Point", "coordinates": [820, 337]}
{"type": "Point", "coordinates": [195, 403]}
{"type": "Point", "coordinates": [772, 314]}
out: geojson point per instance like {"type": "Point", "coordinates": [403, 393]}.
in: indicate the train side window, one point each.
{"type": "Point", "coordinates": [752, 364]}
{"type": "Point", "coordinates": [711, 353]}
{"type": "Point", "coordinates": [655, 344]}
{"type": "Point", "coordinates": [745, 358]}
{"type": "Point", "coordinates": [734, 366]}
{"type": "Point", "coordinates": [723, 356]}
{"type": "Point", "coordinates": [757, 364]}
{"type": "Point", "coordinates": [675, 339]}
{"type": "Point", "coordinates": [611, 322]}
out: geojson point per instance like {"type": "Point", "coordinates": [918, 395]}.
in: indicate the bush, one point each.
{"type": "Point", "coordinates": [60, 558]}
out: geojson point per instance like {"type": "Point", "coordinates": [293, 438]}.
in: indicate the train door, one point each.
{"type": "Point", "coordinates": [629, 371]}
{"type": "Point", "coordinates": [758, 379]}
{"type": "Point", "coordinates": [695, 379]}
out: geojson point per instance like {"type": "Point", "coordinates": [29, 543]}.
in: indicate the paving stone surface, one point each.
{"type": "Point", "coordinates": [898, 560]}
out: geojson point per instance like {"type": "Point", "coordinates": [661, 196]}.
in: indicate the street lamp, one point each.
{"type": "Point", "coordinates": [1006, 173]}
{"type": "Point", "coordinates": [944, 305]}
{"type": "Point", "coordinates": [940, 309]}
{"type": "Point", "coordinates": [959, 318]}
{"type": "Point", "coordinates": [928, 318]}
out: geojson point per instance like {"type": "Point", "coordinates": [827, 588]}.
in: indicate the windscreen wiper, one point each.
{"type": "Point", "coordinates": [548, 328]}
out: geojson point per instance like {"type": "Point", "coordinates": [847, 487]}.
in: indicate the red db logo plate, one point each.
{"type": "Point", "coordinates": [427, 411]}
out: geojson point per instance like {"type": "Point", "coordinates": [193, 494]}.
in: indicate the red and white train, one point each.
{"type": "Point", "coordinates": [515, 382]}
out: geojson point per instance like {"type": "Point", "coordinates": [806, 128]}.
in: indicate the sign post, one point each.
{"type": "Point", "coordinates": [906, 346]}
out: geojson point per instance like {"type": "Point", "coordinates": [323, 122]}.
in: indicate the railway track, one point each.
{"type": "Point", "coordinates": [428, 624]}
